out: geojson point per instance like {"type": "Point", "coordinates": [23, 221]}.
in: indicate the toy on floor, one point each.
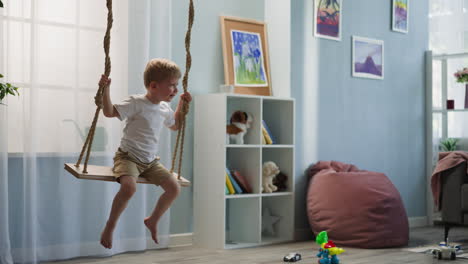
{"type": "Point", "coordinates": [239, 124]}
{"type": "Point", "coordinates": [328, 252]}
{"type": "Point", "coordinates": [292, 257]}
{"type": "Point", "coordinates": [446, 251]}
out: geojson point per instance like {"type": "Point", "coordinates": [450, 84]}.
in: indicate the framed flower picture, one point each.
{"type": "Point", "coordinates": [327, 19]}
{"type": "Point", "coordinates": [245, 53]}
{"type": "Point", "coordinates": [368, 58]}
{"type": "Point", "coordinates": [400, 15]}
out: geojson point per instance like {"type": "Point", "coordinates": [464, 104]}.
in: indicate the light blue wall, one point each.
{"type": "Point", "coordinates": [206, 73]}
{"type": "Point", "coordinates": [377, 125]}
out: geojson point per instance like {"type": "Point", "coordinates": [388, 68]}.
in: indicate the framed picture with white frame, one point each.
{"type": "Point", "coordinates": [400, 16]}
{"type": "Point", "coordinates": [327, 19]}
{"type": "Point", "coordinates": [368, 58]}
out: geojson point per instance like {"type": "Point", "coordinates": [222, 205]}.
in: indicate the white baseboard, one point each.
{"type": "Point", "coordinates": [185, 239]}
{"type": "Point", "coordinates": [419, 221]}
{"type": "Point", "coordinates": [179, 240]}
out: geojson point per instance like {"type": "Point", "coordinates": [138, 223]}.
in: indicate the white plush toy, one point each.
{"type": "Point", "coordinates": [269, 172]}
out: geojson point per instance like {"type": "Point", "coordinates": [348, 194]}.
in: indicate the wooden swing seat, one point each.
{"type": "Point", "coordinates": [103, 173]}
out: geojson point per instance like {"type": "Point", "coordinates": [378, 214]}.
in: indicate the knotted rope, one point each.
{"type": "Point", "coordinates": [185, 105]}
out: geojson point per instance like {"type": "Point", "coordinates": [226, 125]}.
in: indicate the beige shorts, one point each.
{"type": "Point", "coordinates": [125, 164]}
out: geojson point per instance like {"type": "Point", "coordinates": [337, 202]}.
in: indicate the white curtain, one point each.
{"type": "Point", "coordinates": [448, 26]}
{"type": "Point", "coordinates": [52, 50]}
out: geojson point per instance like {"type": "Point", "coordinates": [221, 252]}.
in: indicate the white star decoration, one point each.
{"type": "Point", "coordinates": [268, 220]}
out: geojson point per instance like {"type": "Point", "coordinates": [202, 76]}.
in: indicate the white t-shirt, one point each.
{"type": "Point", "coordinates": [143, 126]}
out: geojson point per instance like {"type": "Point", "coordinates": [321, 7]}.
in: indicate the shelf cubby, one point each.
{"type": "Point", "coordinates": [247, 162]}
{"type": "Point", "coordinates": [279, 206]}
{"type": "Point", "coordinates": [242, 225]}
{"type": "Point", "coordinates": [251, 106]}
{"type": "Point", "coordinates": [277, 116]}
{"type": "Point", "coordinates": [284, 159]}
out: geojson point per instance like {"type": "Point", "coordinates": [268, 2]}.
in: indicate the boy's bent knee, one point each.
{"type": "Point", "coordinates": [171, 186]}
{"type": "Point", "coordinates": [127, 185]}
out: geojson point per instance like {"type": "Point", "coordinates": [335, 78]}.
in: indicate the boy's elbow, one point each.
{"type": "Point", "coordinates": [107, 114]}
{"type": "Point", "coordinates": [110, 115]}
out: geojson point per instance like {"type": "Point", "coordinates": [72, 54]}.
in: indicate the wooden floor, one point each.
{"type": "Point", "coordinates": [274, 254]}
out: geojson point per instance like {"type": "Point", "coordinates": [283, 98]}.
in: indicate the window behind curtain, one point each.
{"type": "Point", "coordinates": [52, 50]}
{"type": "Point", "coordinates": [448, 26]}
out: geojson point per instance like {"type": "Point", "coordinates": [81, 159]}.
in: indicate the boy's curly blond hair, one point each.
{"type": "Point", "coordinates": [159, 70]}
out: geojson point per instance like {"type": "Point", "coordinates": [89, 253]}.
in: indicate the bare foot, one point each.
{"type": "Point", "coordinates": [152, 228]}
{"type": "Point", "coordinates": [106, 236]}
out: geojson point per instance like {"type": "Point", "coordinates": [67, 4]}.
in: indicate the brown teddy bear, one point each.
{"type": "Point", "coordinates": [281, 181]}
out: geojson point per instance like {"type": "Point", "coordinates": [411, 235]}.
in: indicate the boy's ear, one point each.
{"type": "Point", "coordinates": [153, 85]}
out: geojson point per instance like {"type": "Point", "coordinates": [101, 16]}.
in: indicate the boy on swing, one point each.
{"type": "Point", "coordinates": [145, 115]}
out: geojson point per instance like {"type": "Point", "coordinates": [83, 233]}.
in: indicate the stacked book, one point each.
{"type": "Point", "coordinates": [236, 183]}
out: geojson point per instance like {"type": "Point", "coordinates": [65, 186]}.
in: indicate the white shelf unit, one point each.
{"type": "Point", "coordinates": [440, 121]}
{"type": "Point", "coordinates": [235, 221]}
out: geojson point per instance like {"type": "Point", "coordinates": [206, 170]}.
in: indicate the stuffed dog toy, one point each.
{"type": "Point", "coordinates": [269, 171]}
{"type": "Point", "coordinates": [239, 123]}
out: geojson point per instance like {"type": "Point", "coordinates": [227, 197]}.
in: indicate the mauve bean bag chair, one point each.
{"type": "Point", "coordinates": [357, 208]}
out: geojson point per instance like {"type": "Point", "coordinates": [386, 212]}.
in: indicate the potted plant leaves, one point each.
{"type": "Point", "coordinates": [7, 89]}
{"type": "Point", "coordinates": [449, 144]}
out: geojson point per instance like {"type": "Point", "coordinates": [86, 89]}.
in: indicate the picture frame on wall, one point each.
{"type": "Point", "coordinates": [245, 54]}
{"type": "Point", "coordinates": [400, 16]}
{"type": "Point", "coordinates": [368, 58]}
{"type": "Point", "coordinates": [327, 19]}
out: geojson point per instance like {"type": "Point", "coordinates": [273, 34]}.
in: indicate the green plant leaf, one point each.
{"type": "Point", "coordinates": [6, 89]}
{"type": "Point", "coordinates": [449, 144]}
{"type": "Point", "coordinates": [1, 76]}
{"type": "Point", "coordinates": [1, 4]}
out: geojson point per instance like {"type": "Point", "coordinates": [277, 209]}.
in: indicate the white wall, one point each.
{"type": "Point", "coordinates": [278, 19]}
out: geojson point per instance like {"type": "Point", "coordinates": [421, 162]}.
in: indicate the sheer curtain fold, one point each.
{"type": "Point", "coordinates": [5, 248]}
{"type": "Point", "coordinates": [53, 51]}
{"type": "Point", "coordinates": [5, 254]}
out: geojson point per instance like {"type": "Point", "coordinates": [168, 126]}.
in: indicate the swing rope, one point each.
{"type": "Point", "coordinates": [89, 139]}
{"type": "Point", "coordinates": [185, 105]}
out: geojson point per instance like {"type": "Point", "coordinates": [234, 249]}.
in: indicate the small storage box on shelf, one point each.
{"type": "Point", "coordinates": [225, 221]}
